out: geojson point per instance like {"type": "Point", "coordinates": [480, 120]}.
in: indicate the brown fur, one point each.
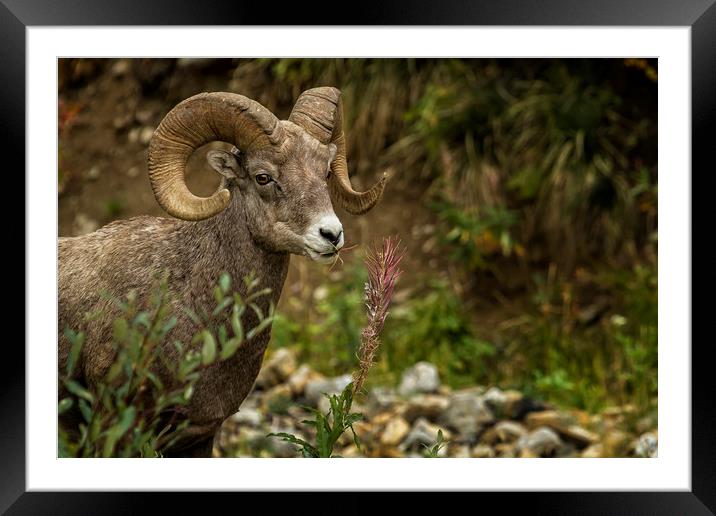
{"type": "Point", "coordinates": [257, 232]}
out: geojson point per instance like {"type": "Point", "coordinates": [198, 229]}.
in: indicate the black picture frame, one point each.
{"type": "Point", "coordinates": [700, 15]}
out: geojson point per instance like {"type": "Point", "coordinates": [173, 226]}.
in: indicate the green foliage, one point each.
{"type": "Point", "coordinates": [328, 332]}
{"type": "Point", "coordinates": [589, 365]}
{"type": "Point", "coordinates": [433, 326]}
{"type": "Point", "coordinates": [125, 414]}
{"type": "Point", "coordinates": [433, 451]}
{"type": "Point", "coordinates": [329, 427]}
{"type": "Point", "coordinates": [474, 237]}
{"type": "Point", "coordinates": [554, 145]}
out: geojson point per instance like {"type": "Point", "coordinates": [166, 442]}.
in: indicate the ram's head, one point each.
{"type": "Point", "coordinates": [285, 172]}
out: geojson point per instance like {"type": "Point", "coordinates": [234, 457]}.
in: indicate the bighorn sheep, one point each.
{"type": "Point", "coordinates": [274, 200]}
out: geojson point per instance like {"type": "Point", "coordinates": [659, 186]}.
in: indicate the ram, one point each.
{"type": "Point", "coordinates": [274, 200]}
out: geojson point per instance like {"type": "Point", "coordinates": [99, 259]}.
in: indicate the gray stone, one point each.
{"type": "Point", "coordinates": [394, 432]}
{"type": "Point", "coordinates": [482, 451]}
{"type": "Point", "coordinates": [459, 451]}
{"type": "Point", "coordinates": [467, 413]}
{"type": "Point", "coordinates": [381, 399]}
{"type": "Point", "coordinates": [316, 388]}
{"type": "Point", "coordinates": [509, 431]}
{"type": "Point", "coordinates": [300, 378]}
{"type": "Point", "coordinates": [279, 366]}
{"type": "Point", "coordinates": [647, 445]}
{"type": "Point", "coordinates": [248, 416]}
{"type": "Point", "coordinates": [121, 67]}
{"type": "Point", "coordinates": [93, 173]}
{"type": "Point", "coordinates": [495, 398]}
{"type": "Point", "coordinates": [425, 405]}
{"type": "Point", "coordinates": [541, 442]}
{"type": "Point", "coordinates": [423, 432]}
{"type": "Point", "coordinates": [422, 377]}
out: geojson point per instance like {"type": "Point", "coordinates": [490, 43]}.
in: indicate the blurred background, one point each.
{"type": "Point", "coordinates": [525, 193]}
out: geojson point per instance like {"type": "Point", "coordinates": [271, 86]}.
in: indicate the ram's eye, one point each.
{"type": "Point", "coordinates": [263, 179]}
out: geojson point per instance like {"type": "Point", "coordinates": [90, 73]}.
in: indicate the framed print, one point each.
{"type": "Point", "coordinates": [472, 195]}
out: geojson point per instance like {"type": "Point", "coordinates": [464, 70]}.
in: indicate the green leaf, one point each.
{"type": "Point", "coordinates": [259, 328]}
{"type": "Point", "coordinates": [225, 282]}
{"type": "Point", "coordinates": [236, 321]}
{"type": "Point", "coordinates": [192, 315]}
{"type": "Point", "coordinates": [64, 405]}
{"type": "Point", "coordinates": [76, 389]}
{"type": "Point", "coordinates": [77, 341]}
{"type": "Point", "coordinates": [208, 351]}
{"type": "Point", "coordinates": [120, 330]}
{"type": "Point", "coordinates": [230, 347]}
{"type": "Point", "coordinates": [222, 306]}
{"type": "Point", "coordinates": [86, 410]}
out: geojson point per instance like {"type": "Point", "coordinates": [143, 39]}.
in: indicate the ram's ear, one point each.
{"type": "Point", "coordinates": [224, 163]}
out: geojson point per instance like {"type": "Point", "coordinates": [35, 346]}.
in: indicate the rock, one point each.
{"type": "Point", "coordinates": [595, 451]}
{"type": "Point", "coordinates": [429, 406]}
{"type": "Point", "coordinates": [256, 440]}
{"type": "Point", "coordinates": [121, 67]}
{"type": "Point", "coordinates": [505, 450]}
{"type": "Point", "coordinates": [93, 173]}
{"type": "Point", "coordinates": [518, 407]}
{"type": "Point", "coordinates": [84, 224]}
{"type": "Point", "coordinates": [298, 380]}
{"type": "Point", "coordinates": [316, 388]}
{"type": "Point", "coordinates": [615, 443]}
{"type": "Point", "coordinates": [495, 399]}
{"type": "Point", "coordinates": [647, 445]}
{"type": "Point", "coordinates": [467, 414]}
{"type": "Point", "coordinates": [422, 377]}
{"type": "Point", "coordinates": [423, 433]}
{"type": "Point", "coordinates": [248, 416]}
{"type": "Point", "coordinates": [394, 432]}
{"type": "Point", "coordinates": [298, 413]}
{"type": "Point", "coordinates": [458, 451]}
{"type": "Point", "coordinates": [278, 399]}
{"type": "Point", "coordinates": [482, 451]}
{"type": "Point", "coordinates": [579, 436]}
{"type": "Point", "coordinates": [381, 399]}
{"type": "Point", "coordinates": [509, 431]}
{"type": "Point", "coordinates": [541, 442]}
{"type": "Point", "coordinates": [550, 418]}
{"type": "Point", "coordinates": [277, 368]}
{"type": "Point", "coordinates": [197, 62]}
{"type": "Point", "coordinates": [646, 423]}
{"type": "Point", "coordinates": [349, 452]}
{"type": "Point", "coordinates": [145, 135]}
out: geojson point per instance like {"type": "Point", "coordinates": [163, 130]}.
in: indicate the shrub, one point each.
{"type": "Point", "coordinates": [121, 416]}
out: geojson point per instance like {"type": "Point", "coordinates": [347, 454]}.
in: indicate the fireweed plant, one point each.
{"type": "Point", "coordinates": [383, 266]}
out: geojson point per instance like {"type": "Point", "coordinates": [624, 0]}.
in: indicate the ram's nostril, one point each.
{"type": "Point", "coordinates": [330, 235]}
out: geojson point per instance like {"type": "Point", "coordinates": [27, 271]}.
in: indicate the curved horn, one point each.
{"type": "Point", "coordinates": [320, 112]}
{"type": "Point", "coordinates": [196, 121]}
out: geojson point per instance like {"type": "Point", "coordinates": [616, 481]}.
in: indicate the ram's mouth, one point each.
{"type": "Point", "coordinates": [326, 257]}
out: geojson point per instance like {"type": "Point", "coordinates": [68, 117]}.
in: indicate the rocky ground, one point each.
{"type": "Point", "coordinates": [476, 422]}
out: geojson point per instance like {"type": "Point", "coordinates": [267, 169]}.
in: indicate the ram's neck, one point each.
{"type": "Point", "coordinates": [223, 244]}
